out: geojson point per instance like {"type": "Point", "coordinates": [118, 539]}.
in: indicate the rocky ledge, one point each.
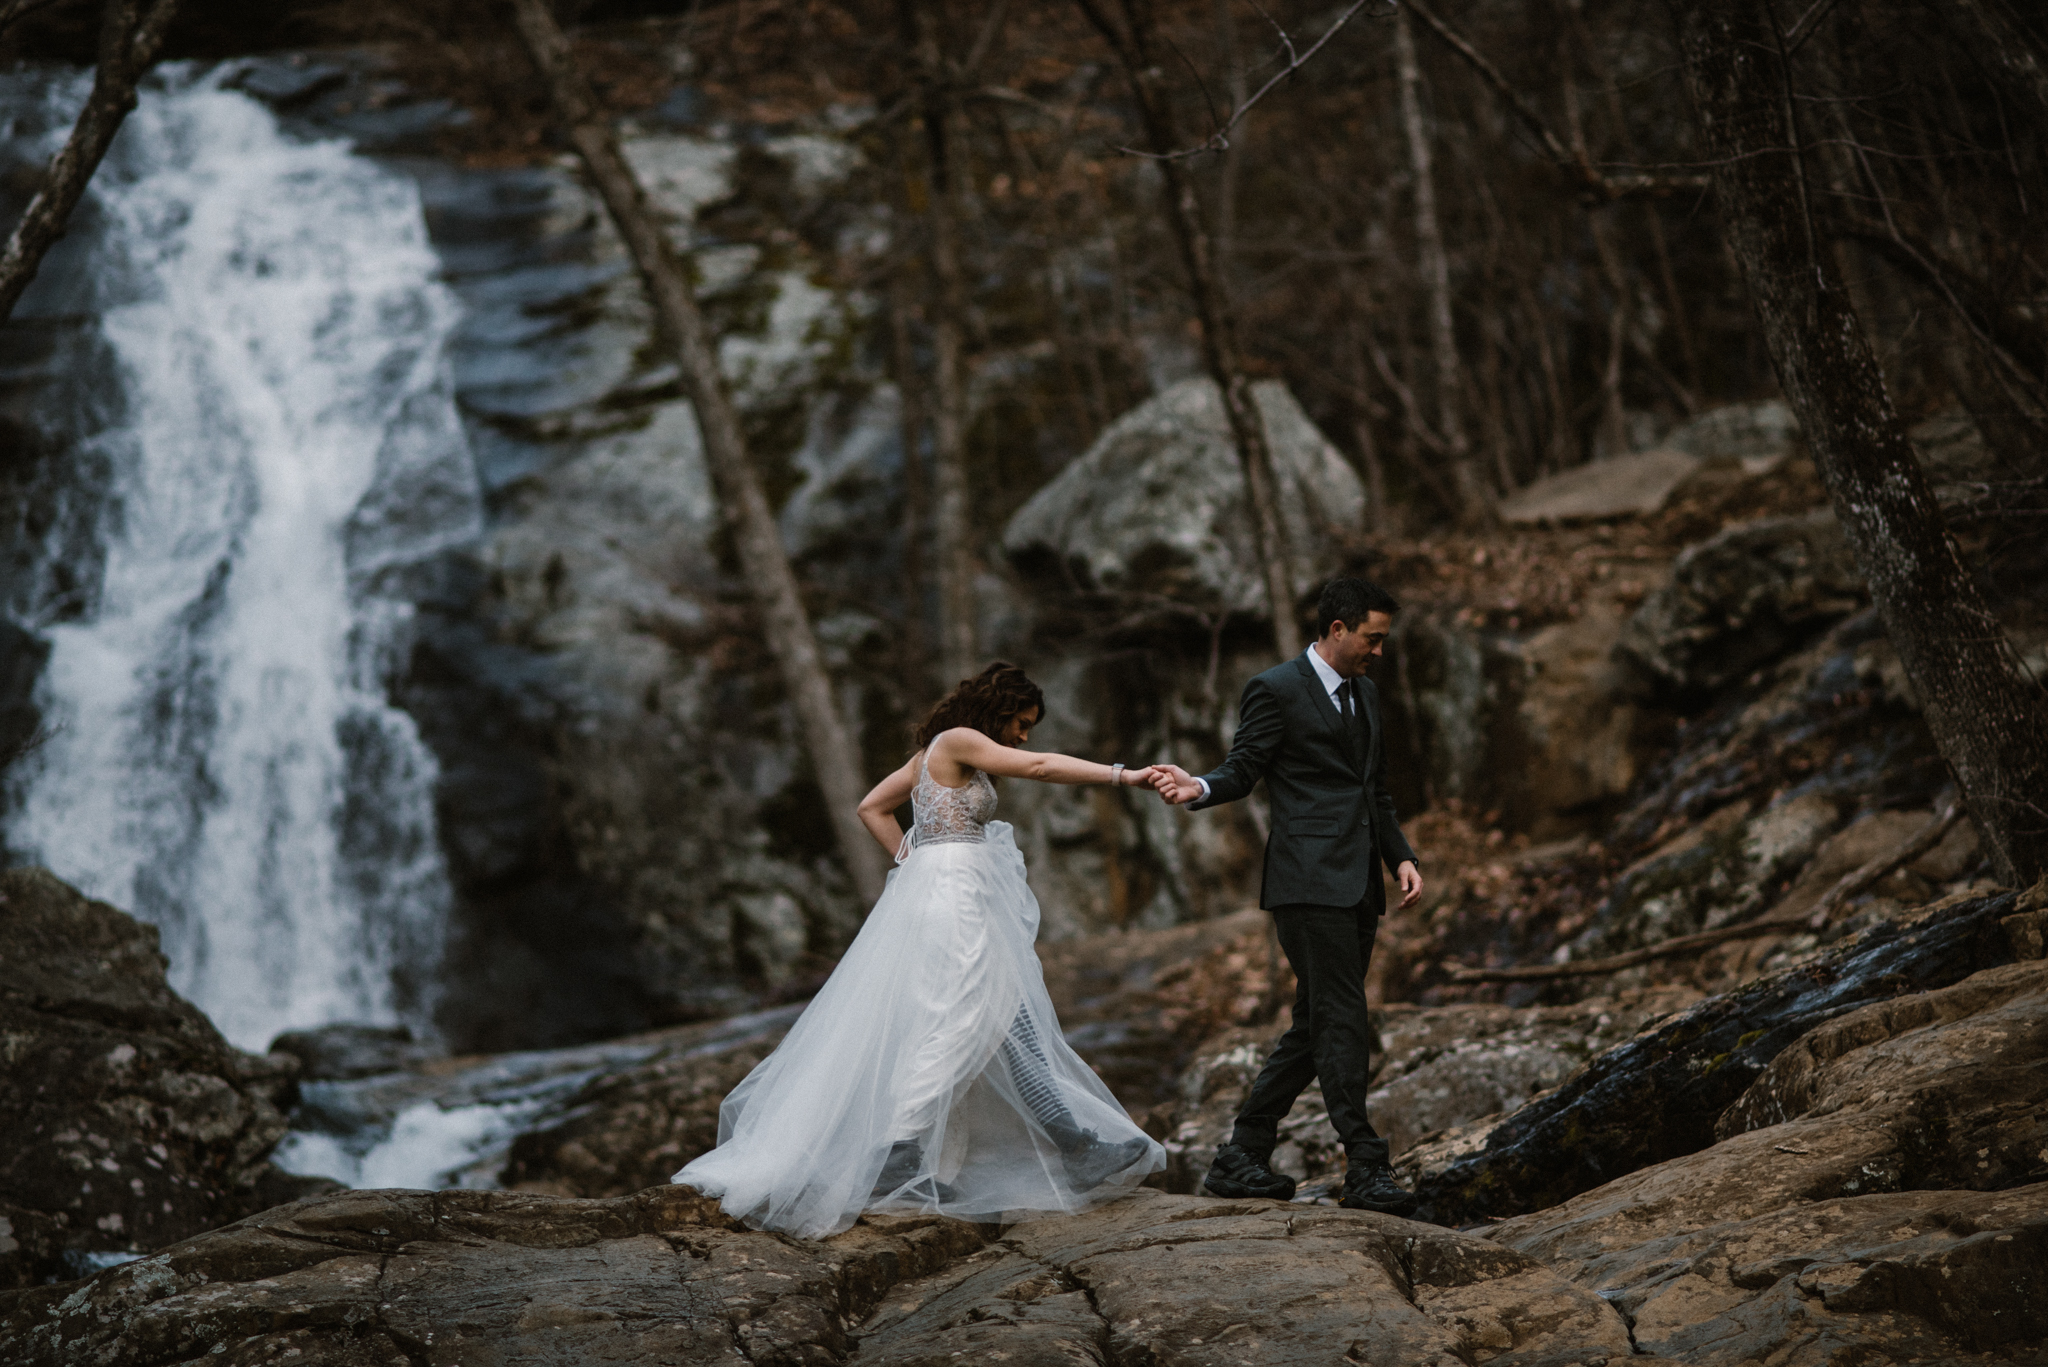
{"type": "Point", "coordinates": [663, 1277]}
{"type": "Point", "coordinates": [126, 1120]}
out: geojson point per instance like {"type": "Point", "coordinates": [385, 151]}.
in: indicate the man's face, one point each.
{"type": "Point", "coordinates": [1351, 653]}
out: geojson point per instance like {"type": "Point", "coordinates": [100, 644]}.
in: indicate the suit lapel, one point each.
{"type": "Point", "coordinates": [1318, 702]}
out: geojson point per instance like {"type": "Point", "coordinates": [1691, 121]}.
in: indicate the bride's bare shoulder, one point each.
{"type": "Point", "coordinates": [951, 755]}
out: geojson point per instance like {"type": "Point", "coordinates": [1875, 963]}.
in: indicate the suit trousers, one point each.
{"type": "Point", "coordinates": [1330, 1039]}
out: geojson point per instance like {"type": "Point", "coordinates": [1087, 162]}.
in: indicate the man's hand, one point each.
{"type": "Point", "coordinates": [1411, 882]}
{"type": "Point", "coordinates": [1174, 784]}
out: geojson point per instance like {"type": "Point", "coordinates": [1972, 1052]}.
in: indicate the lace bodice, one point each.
{"type": "Point", "coordinates": [941, 814]}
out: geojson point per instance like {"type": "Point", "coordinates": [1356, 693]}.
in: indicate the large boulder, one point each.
{"type": "Point", "coordinates": [1840, 1212]}
{"type": "Point", "coordinates": [1157, 506]}
{"type": "Point", "coordinates": [665, 1277]}
{"type": "Point", "coordinates": [1660, 1095]}
{"type": "Point", "coordinates": [126, 1121]}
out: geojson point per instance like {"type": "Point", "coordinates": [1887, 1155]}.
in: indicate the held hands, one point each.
{"type": "Point", "coordinates": [1174, 784]}
{"type": "Point", "coordinates": [1135, 778]}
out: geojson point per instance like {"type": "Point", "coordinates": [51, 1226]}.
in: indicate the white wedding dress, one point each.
{"type": "Point", "coordinates": [929, 1073]}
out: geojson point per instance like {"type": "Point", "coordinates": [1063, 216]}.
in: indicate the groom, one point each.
{"type": "Point", "coordinates": [1311, 729]}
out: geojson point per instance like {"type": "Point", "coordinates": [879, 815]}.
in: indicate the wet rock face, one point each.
{"type": "Point", "coordinates": [1882, 1188]}
{"type": "Point", "coordinates": [348, 1050]}
{"type": "Point", "coordinates": [1660, 1095]}
{"type": "Point", "coordinates": [126, 1121]}
{"type": "Point", "coordinates": [1755, 791]}
{"type": "Point", "coordinates": [630, 1128]}
{"type": "Point", "coordinates": [664, 1277]}
{"type": "Point", "coordinates": [1740, 600]}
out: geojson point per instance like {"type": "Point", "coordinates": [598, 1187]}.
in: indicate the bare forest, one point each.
{"type": "Point", "coordinates": [1482, 245]}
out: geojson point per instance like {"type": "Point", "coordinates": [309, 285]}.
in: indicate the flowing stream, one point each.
{"type": "Point", "coordinates": [279, 443]}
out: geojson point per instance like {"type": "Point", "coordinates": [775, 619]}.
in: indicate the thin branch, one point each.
{"type": "Point", "coordinates": [130, 36]}
{"type": "Point", "coordinates": [1877, 870]}
{"type": "Point", "coordinates": [1219, 141]}
{"type": "Point", "coordinates": [1590, 182]}
{"type": "Point", "coordinates": [1808, 24]}
{"type": "Point", "coordinates": [991, 28]}
{"type": "Point", "coordinates": [1586, 968]}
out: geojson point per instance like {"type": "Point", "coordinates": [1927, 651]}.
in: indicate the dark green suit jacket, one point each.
{"type": "Point", "coordinates": [1333, 819]}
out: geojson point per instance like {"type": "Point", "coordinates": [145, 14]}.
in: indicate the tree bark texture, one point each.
{"type": "Point", "coordinates": [952, 520]}
{"type": "Point", "coordinates": [1988, 717]}
{"type": "Point", "coordinates": [1131, 40]}
{"type": "Point", "coordinates": [131, 33]}
{"type": "Point", "coordinates": [834, 757]}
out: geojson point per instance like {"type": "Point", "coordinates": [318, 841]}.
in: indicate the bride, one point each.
{"type": "Point", "coordinates": [929, 1073]}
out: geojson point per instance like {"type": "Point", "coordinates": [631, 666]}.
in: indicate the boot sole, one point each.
{"type": "Point", "coordinates": [1238, 1191]}
{"type": "Point", "coordinates": [1403, 1208]}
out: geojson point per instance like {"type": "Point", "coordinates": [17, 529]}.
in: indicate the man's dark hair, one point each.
{"type": "Point", "coordinates": [1348, 601]}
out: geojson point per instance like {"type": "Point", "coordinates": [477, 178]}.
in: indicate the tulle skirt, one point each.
{"type": "Point", "coordinates": [936, 1029]}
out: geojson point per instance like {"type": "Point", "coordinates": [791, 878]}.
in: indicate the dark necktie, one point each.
{"type": "Point", "coordinates": [1351, 720]}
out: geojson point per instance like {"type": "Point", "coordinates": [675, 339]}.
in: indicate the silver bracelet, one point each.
{"type": "Point", "coordinates": [1116, 775]}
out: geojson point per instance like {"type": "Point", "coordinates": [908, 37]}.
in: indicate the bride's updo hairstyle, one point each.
{"type": "Point", "coordinates": [984, 702]}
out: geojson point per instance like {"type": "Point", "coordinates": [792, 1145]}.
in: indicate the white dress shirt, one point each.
{"type": "Point", "coordinates": [1332, 681]}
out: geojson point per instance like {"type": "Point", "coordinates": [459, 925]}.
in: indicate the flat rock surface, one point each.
{"type": "Point", "coordinates": [664, 1277]}
{"type": "Point", "coordinates": [1198, 1281]}
{"type": "Point", "coordinates": [1625, 486]}
{"type": "Point", "coordinates": [126, 1121]}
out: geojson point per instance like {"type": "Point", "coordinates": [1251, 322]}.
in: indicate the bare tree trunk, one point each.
{"type": "Point", "coordinates": [131, 33]}
{"type": "Point", "coordinates": [1473, 493]}
{"type": "Point", "coordinates": [952, 519]}
{"type": "Point", "coordinates": [1379, 519]}
{"type": "Point", "coordinates": [1132, 43]}
{"type": "Point", "coordinates": [916, 492]}
{"type": "Point", "coordinates": [1988, 717]}
{"type": "Point", "coordinates": [834, 757]}
{"type": "Point", "coordinates": [1613, 421]}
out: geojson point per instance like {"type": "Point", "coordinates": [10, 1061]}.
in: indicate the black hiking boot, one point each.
{"type": "Point", "coordinates": [1371, 1186]}
{"type": "Point", "coordinates": [1241, 1173]}
{"type": "Point", "coordinates": [906, 1156]}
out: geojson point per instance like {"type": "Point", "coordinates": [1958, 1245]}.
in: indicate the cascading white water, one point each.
{"type": "Point", "coordinates": [225, 762]}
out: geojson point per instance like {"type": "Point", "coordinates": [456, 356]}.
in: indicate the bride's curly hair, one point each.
{"type": "Point", "coordinates": [984, 702]}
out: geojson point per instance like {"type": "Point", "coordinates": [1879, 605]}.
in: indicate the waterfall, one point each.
{"type": "Point", "coordinates": [280, 446]}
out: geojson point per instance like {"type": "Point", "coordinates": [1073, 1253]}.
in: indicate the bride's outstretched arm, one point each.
{"type": "Point", "coordinates": [878, 808]}
{"type": "Point", "coordinates": [971, 749]}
